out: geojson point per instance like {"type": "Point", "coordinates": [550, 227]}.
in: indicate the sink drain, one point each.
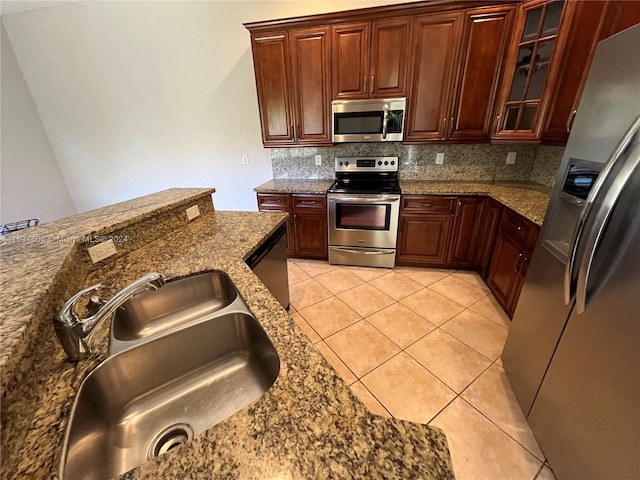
{"type": "Point", "coordinates": [169, 438]}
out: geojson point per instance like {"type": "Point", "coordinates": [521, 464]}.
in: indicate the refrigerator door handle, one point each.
{"type": "Point", "coordinates": [624, 167]}
{"type": "Point", "coordinates": [571, 270]}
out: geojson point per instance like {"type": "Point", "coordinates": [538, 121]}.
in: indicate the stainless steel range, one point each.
{"type": "Point", "coordinates": [363, 206]}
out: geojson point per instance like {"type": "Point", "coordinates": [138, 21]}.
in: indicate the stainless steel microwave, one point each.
{"type": "Point", "coordinates": [374, 120]}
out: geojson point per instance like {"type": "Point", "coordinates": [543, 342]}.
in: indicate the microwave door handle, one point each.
{"type": "Point", "coordinates": [571, 271]}
{"type": "Point", "coordinates": [385, 121]}
{"type": "Point", "coordinates": [625, 177]}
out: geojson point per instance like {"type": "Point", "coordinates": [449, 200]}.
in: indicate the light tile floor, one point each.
{"type": "Point", "coordinates": [422, 345]}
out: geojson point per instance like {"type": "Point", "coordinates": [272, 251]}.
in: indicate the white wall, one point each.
{"type": "Point", "coordinates": [141, 96]}
{"type": "Point", "coordinates": [31, 184]}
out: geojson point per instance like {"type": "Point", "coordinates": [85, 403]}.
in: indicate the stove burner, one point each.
{"type": "Point", "coordinates": [366, 175]}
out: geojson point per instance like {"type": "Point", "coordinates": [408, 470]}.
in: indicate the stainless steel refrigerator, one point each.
{"type": "Point", "coordinates": [573, 351]}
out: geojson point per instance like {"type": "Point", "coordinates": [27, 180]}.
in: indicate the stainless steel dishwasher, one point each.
{"type": "Point", "coordinates": [269, 263]}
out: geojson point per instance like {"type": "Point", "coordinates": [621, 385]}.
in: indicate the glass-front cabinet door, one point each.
{"type": "Point", "coordinates": [528, 72]}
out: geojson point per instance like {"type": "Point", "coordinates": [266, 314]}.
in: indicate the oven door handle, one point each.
{"type": "Point", "coordinates": [366, 252]}
{"type": "Point", "coordinates": [367, 199]}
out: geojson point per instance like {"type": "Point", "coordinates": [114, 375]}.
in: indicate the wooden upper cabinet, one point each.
{"type": "Point", "coordinates": [369, 59]}
{"type": "Point", "coordinates": [350, 60]}
{"type": "Point", "coordinates": [590, 21]}
{"type": "Point", "coordinates": [270, 61]}
{"type": "Point", "coordinates": [310, 76]}
{"type": "Point", "coordinates": [530, 70]}
{"type": "Point", "coordinates": [484, 43]}
{"type": "Point", "coordinates": [434, 54]}
{"type": "Point", "coordinates": [389, 57]}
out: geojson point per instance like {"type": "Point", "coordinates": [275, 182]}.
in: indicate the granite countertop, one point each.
{"type": "Point", "coordinates": [294, 186]}
{"type": "Point", "coordinates": [308, 425]}
{"type": "Point", "coordinates": [528, 199]}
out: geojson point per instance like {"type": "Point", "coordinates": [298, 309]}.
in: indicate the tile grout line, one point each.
{"type": "Point", "coordinates": [403, 350]}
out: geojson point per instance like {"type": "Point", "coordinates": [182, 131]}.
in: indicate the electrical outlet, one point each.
{"type": "Point", "coordinates": [245, 159]}
{"type": "Point", "coordinates": [101, 251]}
{"type": "Point", "coordinates": [439, 158]}
{"type": "Point", "coordinates": [318, 160]}
{"type": "Point", "coordinates": [193, 212]}
{"type": "Point", "coordinates": [511, 158]}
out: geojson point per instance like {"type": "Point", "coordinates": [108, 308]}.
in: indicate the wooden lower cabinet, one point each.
{"type": "Point", "coordinates": [515, 240]}
{"type": "Point", "coordinates": [310, 226]}
{"type": "Point", "coordinates": [423, 239]}
{"type": "Point", "coordinates": [489, 218]}
{"type": "Point", "coordinates": [466, 228]}
{"type": "Point", "coordinates": [306, 225]}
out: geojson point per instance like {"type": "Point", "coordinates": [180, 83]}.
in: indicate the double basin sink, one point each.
{"type": "Point", "coordinates": [181, 359]}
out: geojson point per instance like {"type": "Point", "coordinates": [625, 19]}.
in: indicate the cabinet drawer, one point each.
{"type": "Point", "coordinates": [269, 201]}
{"type": "Point", "coordinates": [428, 204]}
{"type": "Point", "coordinates": [307, 203]}
{"type": "Point", "coordinates": [516, 226]}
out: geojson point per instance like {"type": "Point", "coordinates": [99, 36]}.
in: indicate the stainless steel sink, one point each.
{"type": "Point", "coordinates": [152, 397]}
{"type": "Point", "coordinates": [177, 303]}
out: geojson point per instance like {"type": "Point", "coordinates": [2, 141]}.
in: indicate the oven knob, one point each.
{"type": "Point", "coordinates": [393, 162]}
{"type": "Point", "coordinates": [346, 164]}
{"type": "Point", "coordinates": [340, 163]}
{"type": "Point", "coordinates": [386, 163]}
{"type": "Point", "coordinates": [379, 162]}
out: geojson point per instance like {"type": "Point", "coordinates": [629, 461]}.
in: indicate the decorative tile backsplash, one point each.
{"type": "Point", "coordinates": [484, 162]}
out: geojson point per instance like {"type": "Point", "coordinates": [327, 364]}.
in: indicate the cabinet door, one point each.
{"type": "Point", "coordinates": [270, 61]}
{"type": "Point", "coordinates": [310, 225]}
{"type": "Point", "coordinates": [486, 237]}
{"type": "Point", "coordinates": [279, 202]}
{"type": "Point", "coordinates": [530, 71]}
{"type": "Point", "coordinates": [389, 57]}
{"type": "Point", "coordinates": [587, 22]}
{"type": "Point", "coordinates": [504, 274]}
{"type": "Point", "coordinates": [311, 235]}
{"type": "Point", "coordinates": [350, 60]}
{"type": "Point", "coordinates": [310, 73]}
{"type": "Point", "coordinates": [423, 239]}
{"type": "Point", "coordinates": [465, 231]}
{"type": "Point", "coordinates": [434, 54]}
{"type": "Point", "coordinates": [485, 40]}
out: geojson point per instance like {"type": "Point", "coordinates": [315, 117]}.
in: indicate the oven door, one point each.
{"type": "Point", "coordinates": [363, 220]}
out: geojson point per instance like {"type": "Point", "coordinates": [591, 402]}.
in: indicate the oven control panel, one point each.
{"type": "Point", "coordinates": [367, 164]}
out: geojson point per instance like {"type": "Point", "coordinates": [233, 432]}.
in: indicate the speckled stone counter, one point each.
{"type": "Point", "coordinates": [294, 186]}
{"type": "Point", "coordinates": [528, 199]}
{"type": "Point", "coordinates": [308, 425]}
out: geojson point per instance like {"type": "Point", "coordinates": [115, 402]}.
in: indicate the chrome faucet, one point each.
{"type": "Point", "coordinates": [76, 334]}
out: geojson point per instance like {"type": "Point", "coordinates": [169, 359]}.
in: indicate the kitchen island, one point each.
{"type": "Point", "coordinates": [308, 425]}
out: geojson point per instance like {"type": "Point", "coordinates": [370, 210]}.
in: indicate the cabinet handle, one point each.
{"type": "Point", "coordinates": [523, 271]}
{"type": "Point", "coordinates": [572, 117]}
{"type": "Point", "coordinates": [305, 202]}
{"type": "Point", "coordinates": [373, 79]}
{"type": "Point", "coordinates": [516, 267]}
{"type": "Point", "coordinates": [365, 84]}
{"type": "Point", "coordinates": [444, 124]}
{"type": "Point", "coordinates": [426, 204]}
{"type": "Point", "coordinates": [497, 123]}
{"type": "Point", "coordinates": [451, 124]}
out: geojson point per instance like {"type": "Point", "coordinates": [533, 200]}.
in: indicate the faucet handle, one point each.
{"type": "Point", "coordinates": [68, 313]}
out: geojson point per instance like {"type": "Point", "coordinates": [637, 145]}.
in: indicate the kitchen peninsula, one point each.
{"type": "Point", "coordinates": [308, 425]}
